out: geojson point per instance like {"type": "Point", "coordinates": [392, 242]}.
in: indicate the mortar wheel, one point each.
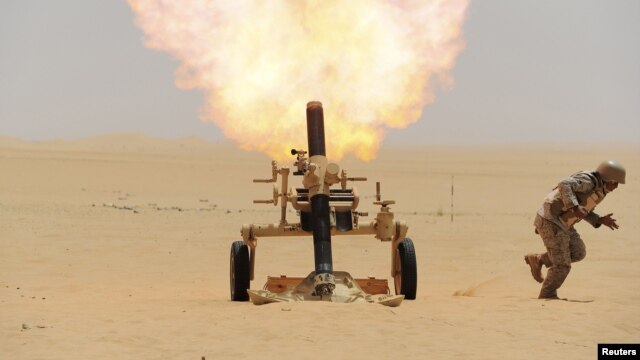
{"type": "Point", "coordinates": [406, 281]}
{"type": "Point", "coordinates": [239, 271]}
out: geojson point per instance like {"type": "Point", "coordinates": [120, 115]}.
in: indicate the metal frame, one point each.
{"type": "Point", "coordinates": [384, 227]}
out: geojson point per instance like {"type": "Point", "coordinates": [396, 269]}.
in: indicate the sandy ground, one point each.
{"type": "Point", "coordinates": [117, 248]}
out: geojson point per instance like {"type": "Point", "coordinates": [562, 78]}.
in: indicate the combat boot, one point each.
{"type": "Point", "coordinates": [535, 264]}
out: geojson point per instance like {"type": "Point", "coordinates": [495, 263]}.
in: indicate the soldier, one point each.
{"type": "Point", "coordinates": [571, 201]}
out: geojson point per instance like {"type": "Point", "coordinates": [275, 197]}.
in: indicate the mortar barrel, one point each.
{"type": "Point", "coordinates": [321, 226]}
{"type": "Point", "coordinates": [320, 218]}
{"type": "Point", "coordinates": [315, 128]}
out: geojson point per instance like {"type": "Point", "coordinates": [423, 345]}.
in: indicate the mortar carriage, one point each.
{"type": "Point", "coordinates": [326, 207]}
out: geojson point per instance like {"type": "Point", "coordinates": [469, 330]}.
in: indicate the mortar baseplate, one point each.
{"type": "Point", "coordinates": [348, 290]}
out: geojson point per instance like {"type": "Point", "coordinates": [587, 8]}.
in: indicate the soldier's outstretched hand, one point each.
{"type": "Point", "coordinates": [608, 221]}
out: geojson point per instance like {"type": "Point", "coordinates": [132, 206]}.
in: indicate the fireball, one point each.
{"type": "Point", "coordinates": [373, 64]}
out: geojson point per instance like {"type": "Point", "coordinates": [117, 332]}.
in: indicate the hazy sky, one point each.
{"type": "Point", "coordinates": [532, 71]}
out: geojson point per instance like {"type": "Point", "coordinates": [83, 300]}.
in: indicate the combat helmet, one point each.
{"type": "Point", "coordinates": [612, 170]}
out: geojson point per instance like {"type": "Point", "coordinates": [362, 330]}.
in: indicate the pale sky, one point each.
{"type": "Point", "coordinates": [532, 71]}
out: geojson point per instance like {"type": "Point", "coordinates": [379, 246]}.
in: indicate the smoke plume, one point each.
{"type": "Point", "coordinates": [373, 64]}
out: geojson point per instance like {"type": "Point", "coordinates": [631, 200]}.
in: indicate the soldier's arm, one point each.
{"type": "Point", "coordinates": [569, 186]}
{"type": "Point", "coordinates": [593, 219]}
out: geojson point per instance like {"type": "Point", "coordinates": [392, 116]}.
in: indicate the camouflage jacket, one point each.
{"type": "Point", "coordinates": [572, 191]}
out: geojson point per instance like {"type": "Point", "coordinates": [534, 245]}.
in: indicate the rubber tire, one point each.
{"type": "Point", "coordinates": [409, 270]}
{"type": "Point", "coordinates": [239, 271]}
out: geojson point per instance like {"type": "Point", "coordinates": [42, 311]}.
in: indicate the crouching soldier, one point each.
{"type": "Point", "coordinates": [571, 201]}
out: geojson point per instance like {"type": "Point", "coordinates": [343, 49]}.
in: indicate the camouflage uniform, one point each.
{"type": "Point", "coordinates": [563, 243]}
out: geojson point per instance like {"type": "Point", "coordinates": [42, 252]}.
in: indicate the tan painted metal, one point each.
{"type": "Point", "coordinates": [251, 232]}
{"type": "Point", "coordinates": [282, 283]}
{"type": "Point", "coordinates": [318, 177]}
{"type": "Point", "coordinates": [347, 290]}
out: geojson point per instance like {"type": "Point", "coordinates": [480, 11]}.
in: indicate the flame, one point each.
{"type": "Point", "coordinates": [372, 64]}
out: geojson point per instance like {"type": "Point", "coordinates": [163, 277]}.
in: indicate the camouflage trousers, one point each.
{"type": "Point", "coordinates": [562, 249]}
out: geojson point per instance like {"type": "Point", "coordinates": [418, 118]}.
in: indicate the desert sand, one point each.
{"type": "Point", "coordinates": [117, 247]}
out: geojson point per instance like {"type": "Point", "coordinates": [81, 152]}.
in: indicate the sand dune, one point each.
{"type": "Point", "coordinates": [117, 247]}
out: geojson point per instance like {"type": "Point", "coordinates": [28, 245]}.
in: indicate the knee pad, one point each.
{"type": "Point", "coordinates": [579, 256]}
